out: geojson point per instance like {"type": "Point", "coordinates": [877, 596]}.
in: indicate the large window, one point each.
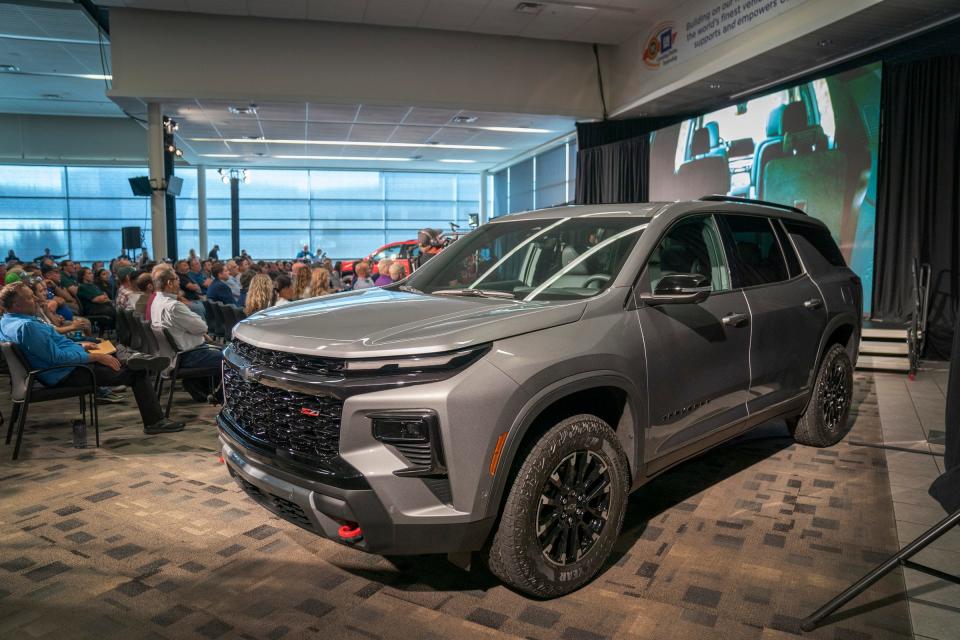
{"type": "Point", "coordinates": [79, 210]}
{"type": "Point", "coordinates": [547, 179]}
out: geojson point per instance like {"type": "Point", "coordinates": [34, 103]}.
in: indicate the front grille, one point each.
{"type": "Point", "coordinates": [304, 425]}
{"type": "Point", "coordinates": [285, 361]}
{"type": "Point", "coordinates": [289, 511]}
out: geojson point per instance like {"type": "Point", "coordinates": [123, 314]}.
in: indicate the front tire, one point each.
{"type": "Point", "coordinates": [564, 510]}
{"type": "Point", "coordinates": [826, 419]}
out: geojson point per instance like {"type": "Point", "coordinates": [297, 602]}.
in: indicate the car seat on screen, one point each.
{"type": "Point", "coordinates": [769, 148]}
{"type": "Point", "coordinates": [810, 175]}
{"type": "Point", "coordinates": [716, 143]}
{"type": "Point", "coordinates": [706, 173]}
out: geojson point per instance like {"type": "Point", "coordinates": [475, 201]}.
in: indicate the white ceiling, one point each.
{"type": "Point", "coordinates": [208, 133]}
{"type": "Point", "coordinates": [52, 38]}
{"type": "Point", "coordinates": [600, 21]}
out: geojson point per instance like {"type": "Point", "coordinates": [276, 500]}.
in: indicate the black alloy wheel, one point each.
{"type": "Point", "coordinates": [574, 507]}
{"type": "Point", "coordinates": [834, 395]}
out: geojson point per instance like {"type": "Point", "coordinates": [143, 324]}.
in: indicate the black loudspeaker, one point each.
{"type": "Point", "coordinates": [131, 238]}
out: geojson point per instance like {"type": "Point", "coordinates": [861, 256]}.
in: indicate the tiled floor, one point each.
{"type": "Point", "coordinates": [147, 537]}
{"type": "Point", "coordinates": [912, 418]}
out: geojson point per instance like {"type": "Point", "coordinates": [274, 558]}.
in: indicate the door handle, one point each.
{"type": "Point", "coordinates": [735, 319]}
{"type": "Point", "coordinates": [813, 303]}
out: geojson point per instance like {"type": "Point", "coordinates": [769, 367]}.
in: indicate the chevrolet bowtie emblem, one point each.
{"type": "Point", "coordinates": [251, 374]}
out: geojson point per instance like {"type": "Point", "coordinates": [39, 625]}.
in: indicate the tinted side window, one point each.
{"type": "Point", "coordinates": [819, 239]}
{"type": "Point", "coordinates": [690, 246]}
{"type": "Point", "coordinates": [793, 263]}
{"type": "Point", "coordinates": [757, 257]}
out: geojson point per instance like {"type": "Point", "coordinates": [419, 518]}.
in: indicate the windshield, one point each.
{"type": "Point", "coordinates": [558, 259]}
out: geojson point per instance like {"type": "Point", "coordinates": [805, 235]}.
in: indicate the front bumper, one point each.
{"type": "Point", "coordinates": [322, 508]}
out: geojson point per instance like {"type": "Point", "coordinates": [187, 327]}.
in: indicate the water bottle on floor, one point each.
{"type": "Point", "coordinates": [79, 434]}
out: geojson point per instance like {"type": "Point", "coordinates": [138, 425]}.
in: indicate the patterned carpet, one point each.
{"type": "Point", "coordinates": [148, 537]}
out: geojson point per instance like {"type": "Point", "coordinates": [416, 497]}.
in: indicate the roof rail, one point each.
{"type": "Point", "coordinates": [764, 203]}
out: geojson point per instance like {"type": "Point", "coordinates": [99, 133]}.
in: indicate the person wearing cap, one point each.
{"type": "Point", "coordinates": [55, 289]}
{"type": "Point", "coordinates": [127, 293]}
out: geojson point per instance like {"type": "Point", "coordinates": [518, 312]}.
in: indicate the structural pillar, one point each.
{"type": "Point", "coordinates": [169, 159]}
{"type": "Point", "coordinates": [235, 213]}
{"type": "Point", "coordinates": [202, 209]}
{"type": "Point", "coordinates": [158, 201]}
{"type": "Point", "coordinates": [484, 197]}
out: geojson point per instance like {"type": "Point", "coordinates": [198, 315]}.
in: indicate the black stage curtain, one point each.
{"type": "Point", "coordinates": [918, 206]}
{"type": "Point", "coordinates": [616, 172]}
{"type": "Point", "coordinates": [595, 134]}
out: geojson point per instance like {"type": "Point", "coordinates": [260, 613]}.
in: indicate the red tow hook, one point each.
{"type": "Point", "coordinates": [350, 532]}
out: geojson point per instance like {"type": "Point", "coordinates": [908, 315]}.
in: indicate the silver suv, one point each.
{"type": "Point", "coordinates": [508, 396]}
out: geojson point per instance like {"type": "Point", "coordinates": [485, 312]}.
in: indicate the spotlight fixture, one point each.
{"type": "Point", "coordinates": [249, 110]}
{"type": "Point", "coordinates": [178, 153]}
{"type": "Point", "coordinates": [226, 175]}
{"type": "Point", "coordinates": [714, 85]}
{"type": "Point", "coordinates": [826, 42]}
{"type": "Point", "coordinates": [171, 148]}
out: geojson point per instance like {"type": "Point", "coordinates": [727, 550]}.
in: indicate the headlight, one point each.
{"type": "Point", "coordinates": [413, 364]}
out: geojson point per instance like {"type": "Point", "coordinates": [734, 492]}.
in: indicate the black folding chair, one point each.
{"type": "Point", "coordinates": [25, 388]}
{"type": "Point", "coordinates": [231, 316]}
{"type": "Point", "coordinates": [123, 327]}
{"type": "Point", "coordinates": [219, 320]}
{"type": "Point", "coordinates": [177, 371]}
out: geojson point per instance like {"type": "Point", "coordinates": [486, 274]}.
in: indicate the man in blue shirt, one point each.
{"type": "Point", "coordinates": [305, 254]}
{"type": "Point", "coordinates": [44, 347]}
{"type": "Point", "coordinates": [219, 290]}
{"type": "Point", "coordinates": [197, 276]}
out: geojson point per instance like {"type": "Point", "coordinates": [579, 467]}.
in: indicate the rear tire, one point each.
{"type": "Point", "coordinates": [564, 510]}
{"type": "Point", "coordinates": [826, 419]}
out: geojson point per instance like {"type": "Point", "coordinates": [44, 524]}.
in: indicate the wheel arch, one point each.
{"type": "Point", "coordinates": [609, 395]}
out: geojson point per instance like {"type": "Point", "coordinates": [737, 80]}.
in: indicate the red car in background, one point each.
{"type": "Point", "coordinates": [403, 252]}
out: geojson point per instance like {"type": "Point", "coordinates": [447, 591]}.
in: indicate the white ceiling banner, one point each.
{"type": "Point", "coordinates": [697, 26]}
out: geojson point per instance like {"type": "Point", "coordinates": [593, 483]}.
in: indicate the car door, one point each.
{"type": "Point", "coordinates": [787, 309]}
{"type": "Point", "coordinates": [696, 353]}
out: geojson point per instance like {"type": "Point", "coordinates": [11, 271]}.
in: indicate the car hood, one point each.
{"type": "Point", "coordinates": [378, 322]}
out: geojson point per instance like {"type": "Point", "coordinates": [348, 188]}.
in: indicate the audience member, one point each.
{"type": "Point", "coordinates": [245, 278]}
{"type": "Point", "coordinates": [44, 347]}
{"type": "Point", "coordinates": [397, 272]}
{"type": "Point", "coordinates": [102, 280]}
{"type": "Point", "coordinates": [127, 292]}
{"type": "Point", "coordinates": [304, 253]}
{"type": "Point", "coordinates": [68, 277]}
{"type": "Point", "coordinates": [259, 295]}
{"type": "Point", "coordinates": [233, 281]}
{"type": "Point", "coordinates": [51, 276]}
{"type": "Point", "coordinates": [186, 328]}
{"type": "Point", "coordinates": [214, 253]}
{"type": "Point", "coordinates": [284, 287]}
{"type": "Point", "coordinates": [301, 281]}
{"type": "Point", "coordinates": [218, 289]}
{"type": "Point", "coordinates": [319, 283]}
{"type": "Point", "coordinates": [197, 277]}
{"type": "Point", "coordinates": [383, 271]}
{"type": "Point", "coordinates": [93, 300]}
{"type": "Point", "coordinates": [362, 278]}
{"type": "Point", "coordinates": [145, 289]}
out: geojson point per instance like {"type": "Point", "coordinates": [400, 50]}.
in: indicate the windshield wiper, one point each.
{"type": "Point", "coordinates": [475, 293]}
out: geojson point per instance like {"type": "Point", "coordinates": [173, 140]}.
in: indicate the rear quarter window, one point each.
{"type": "Point", "coordinates": [815, 244]}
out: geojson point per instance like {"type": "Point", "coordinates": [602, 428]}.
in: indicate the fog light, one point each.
{"type": "Point", "coordinates": [401, 428]}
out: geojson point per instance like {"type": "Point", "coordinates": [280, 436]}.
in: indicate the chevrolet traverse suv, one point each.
{"type": "Point", "coordinates": [508, 396]}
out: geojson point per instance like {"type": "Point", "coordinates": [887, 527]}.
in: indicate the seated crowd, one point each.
{"type": "Point", "coordinates": [51, 310]}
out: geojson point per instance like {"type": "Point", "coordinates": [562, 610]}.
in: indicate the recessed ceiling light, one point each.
{"type": "Point", "coordinates": [249, 110]}
{"type": "Point", "coordinates": [351, 143]}
{"type": "Point", "coordinates": [356, 158]}
{"type": "Point", "coordinates": [464, 119]}
{"type": "Point", "coordinates": [516, 129]}
{"type": "Point", "coordinates": [9, 68]}
{"type": "Point", "coordinates": [826, 42]}
{"type": "Point", "coordinates": [456, 161]}
{"type": "Point", "coordinates": [528, 7]}
{"type": "Point", "coordinates": [714, 85]}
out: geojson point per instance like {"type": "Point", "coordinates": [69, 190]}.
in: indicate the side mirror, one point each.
{"type": "Point", "coordinates": [679, 288]}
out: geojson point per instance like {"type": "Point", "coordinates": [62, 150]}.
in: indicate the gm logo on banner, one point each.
{"type": "Point", "coordinates": [661, 49]}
